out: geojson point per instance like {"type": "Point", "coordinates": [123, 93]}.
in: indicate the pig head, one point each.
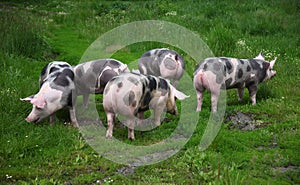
{"type": "Point", "coordinates": [215, 74]}
{"type": "Point", "coordinates": [55, 93]}
{"type": "Point", "coordinates": [162, 62]}
{"type": "Point", "coordinates": [92, 76]}
{"type": "Point", "coordinates": [130, 94]}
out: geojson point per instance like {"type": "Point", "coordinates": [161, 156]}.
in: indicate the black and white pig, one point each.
{"type": "Point", "coordinates": [162, 62]}
{"type": "Point", "coordinates": [91, 77]}
{"type": "Point", "coordinates": [130, 94]}
{"type": "Point", "coordinates": [56, 86]}
{"type": "Point", "coordinates": [211, 73]}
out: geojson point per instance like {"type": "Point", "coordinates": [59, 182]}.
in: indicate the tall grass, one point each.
{"type": "Point", "coordinates": [21, 35]}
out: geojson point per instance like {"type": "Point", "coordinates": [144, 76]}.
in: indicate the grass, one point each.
{"type": "Point", "coordinates": [62, 30]}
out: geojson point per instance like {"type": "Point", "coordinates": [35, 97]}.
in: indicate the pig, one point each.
{"type": "Point", "coordinates": [130, 94]}
{"type": "Point", "coordinates": [56, 86]}
{"type": "Point", "coordinates": [92, 76]}
{"type": "Point", "coordinates": [162, 62]}
{"type": "Point", "coordinates": [219, 73]}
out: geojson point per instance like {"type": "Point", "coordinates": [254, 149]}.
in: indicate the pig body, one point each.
{"type": "Point", "coordinates": [130, 94]}
{"type": "Point", "coordinates": [56, 86]}
{"type": "Point", "coordinates": [92, 76]}
{"type": "Point", "coordinates": [162, 62]}
{"type": "Point", "coordinates": [215, 74]}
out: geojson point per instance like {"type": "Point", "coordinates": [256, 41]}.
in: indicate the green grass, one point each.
{"type": "Point", "coordinates": [36, 32]}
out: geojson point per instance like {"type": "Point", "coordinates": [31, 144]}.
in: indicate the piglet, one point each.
{"type": "Point", "coordinates": [219, 73]}
{"type": "Point", "coordinates": [56, 86]}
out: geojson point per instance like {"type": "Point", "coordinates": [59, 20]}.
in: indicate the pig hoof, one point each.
{"type": "Point", "coordinates": [131, 138]}
{"type": "Point", "coordinates": [108, 136]}
{"type": "Point", "coordinates": [198, 110]}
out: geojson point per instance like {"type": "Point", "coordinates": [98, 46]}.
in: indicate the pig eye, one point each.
{"type": "Point", "coordinates": [38, 108]}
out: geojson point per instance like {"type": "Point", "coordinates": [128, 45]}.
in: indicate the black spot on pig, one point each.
{"type": "Point", "coordinates": [69, 73]}
{"type": "Point", "coordinates": [228, 82]}
{"type": "Point", "coordinates": [163, 84]}
{"type": "Point", "coordinates": [254, 64]}
{"type": "Point", "coordinates": [63, 65]}
{"type": "Point", "coordinates": [61, 80]}
{"type": "Point", "coordinates": [53, 69]}
{"type": "Point", "coordinates": [44, 70]}
{"type": "Point", "coordinates": [106, 76]}
{"type": "Point", "coordinates": [70, 99]}
{"type": "Point", "coordinates": [120, 84]}
{"type": "Point", "coordinates": [129, 99]}
{"type": "Point", "coordinates": [216, 66]}
{"type": "Point", "coordinates": [147, 54]}
{"type": "Point", "coordinates": [98, 66]}
{"type": "Point", "coordinates": [240, 73]}
{"type": "Point", "coordinates": [113, 63]}
{"type": "Point", "coordinates": [248, 68]}
{"type": "Point", "coordinates": [133, 80]}
{"type": "Point", "coordinates": [152, 83]}
{"type": "Point", "coordinates": [242, 61]}
{"type": "Point", "coordinates": [145, 101]}
{"type": "Point", "coordinates": [228, 67]}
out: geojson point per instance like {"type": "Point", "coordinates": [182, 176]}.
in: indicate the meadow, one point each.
{"type": "Point", "coordinates": [36, 32]}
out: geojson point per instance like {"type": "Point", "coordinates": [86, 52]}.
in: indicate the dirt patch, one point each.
{"type": "Point", "coordinates": [244, 121]}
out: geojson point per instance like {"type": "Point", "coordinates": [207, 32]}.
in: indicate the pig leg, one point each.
{"type": "Point", "coordinates": [110, 124]}
{"type": "Point", "coordinates": [73, 117]}
{"type": "Point", "coordinates": [200, 99]}
{"type": "Point", "coordinates": [52, 118]}
{"type": "Point", "coordinates": [252, 91]}
{"type": "Point", "coordinates": [240, 94]}
{"type": "Point", "coordinates": [85, 100]}
{"type": "Point", "coordinates": [130, 124]}
{"type": "Point", "coordinates": [214, 101]}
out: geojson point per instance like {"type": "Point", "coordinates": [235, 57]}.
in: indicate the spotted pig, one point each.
{"type": "Point", "coordinates": [92, 76]}
{"type": "Point", "coordinates": [130, 94]}
{"type": "Point", "coordinates": [226, 73]}
{"type": "Point", "coordinates": [56, 86]}
{"type": "Point", "coordinates": [162, 62]}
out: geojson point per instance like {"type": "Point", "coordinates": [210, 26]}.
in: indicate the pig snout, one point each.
{"type": "Point", "coordinates": [30, 119]}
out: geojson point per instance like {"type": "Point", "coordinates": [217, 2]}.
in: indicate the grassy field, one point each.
{"type": "Point", "coordinates": [36, 32]}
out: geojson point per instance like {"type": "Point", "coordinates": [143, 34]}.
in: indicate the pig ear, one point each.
{"type": "Point", "coordinates": [272, 63]}
{"type": "Point", "coordinates": [260, 56]}
{"type": "Point", "coordinates": [179, 95]}
{"type": "Point", "coordinates": [39, 102]}
{"type": "Point", "coordinates": [124, 67]}
{"type": "Point", "coordinates": [27, 99]}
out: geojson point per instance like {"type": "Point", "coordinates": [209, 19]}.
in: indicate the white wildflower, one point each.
{"type": "Point", "coordinates": [171, 13]}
